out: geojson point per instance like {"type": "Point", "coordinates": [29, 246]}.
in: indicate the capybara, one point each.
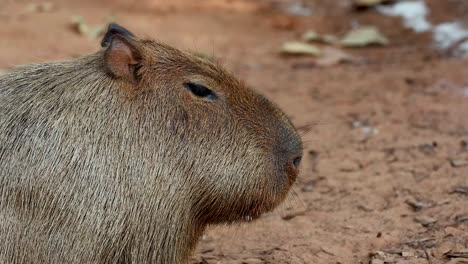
{"type": "Point", "coordinates": [128, 154]}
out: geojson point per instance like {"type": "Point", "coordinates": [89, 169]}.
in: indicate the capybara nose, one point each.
{"type": "Point", "coordinates": [293, 150]}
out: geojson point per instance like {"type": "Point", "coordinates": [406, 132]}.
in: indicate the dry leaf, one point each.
{"type": "Point", "coordinates": [423, 242]}
{"type": "Point", "coordinates": [83, 28]}
{"type": "Point", "coordinates": [407, 254]}
{"type": "Point", "coordinates": [457, 254]}
{"type": "Point", "coordinates": [418, 205]}
{"type": "Point", "coordinates": [330, 39]}
{"type": "Point", "coordinates": [40, 7]}
{"type": "Point", "coordinates": [459, 163]}
{"type": "Point", "coordinates": [327, 251]}
{"type": "Point", "coordinates": [299, 48]}
{"type": "Point", "coordinates": [293, 214]}
{"type": "Point", "coordinates": [333, 56]}
{"type": "Point", "coordinates": [97, 31]}
{"type": "Point", "coordinates": [425, 220]}
{"type": "Point", "coordinates": [80, 25]}
{"type": "Point", "coordinates": [311, 36]}
{"type": "Point", "coordinates": [461, 218]}
{"type": "Point", "coordinates": [369, 3]}
{"type": "Point", "coordinates": [463, 189]}
{"type": "Point", "coordinates": [111, 19]}
{"type": "Point", "coordinates": [381, 257]}
{"type": "Point", "coordinates": [364, 36]}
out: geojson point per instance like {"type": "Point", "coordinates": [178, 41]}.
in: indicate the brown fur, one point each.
{"type": "Point", "coordinates": [95, 168]}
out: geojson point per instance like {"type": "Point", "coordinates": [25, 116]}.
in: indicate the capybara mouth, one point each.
{"type": "Point", "coordinates": [267, 203]}
{"type": "Point", "coordinates": [285, 182]}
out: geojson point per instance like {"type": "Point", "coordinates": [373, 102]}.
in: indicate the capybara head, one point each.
{"type": "Point", "coordinates": [234, 151]}
{"type": "Point", "coordinates": [142, 145]}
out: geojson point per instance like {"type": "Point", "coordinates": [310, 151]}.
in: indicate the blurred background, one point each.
{"type": "Point", "coordinates": [378, 89]}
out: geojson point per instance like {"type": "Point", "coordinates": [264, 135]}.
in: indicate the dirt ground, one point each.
{"type": "Point", "coordinates": [385, 173]}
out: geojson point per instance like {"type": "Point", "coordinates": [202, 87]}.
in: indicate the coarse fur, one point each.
{"type": "Point", "coordinates": [101, 168]}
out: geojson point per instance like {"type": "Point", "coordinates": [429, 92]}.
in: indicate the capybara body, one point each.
{"type": "Point", "coordinates": [127, 154]}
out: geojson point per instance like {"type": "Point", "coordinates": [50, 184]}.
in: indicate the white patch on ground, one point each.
{"type": "Point", "coordinates": [298, 9]}
{"type": "Point", "coordinates": [448, 34]}
{"type": "Point", "coordinates": [463, 49]}
{"type": "Point", "coordinates": [445, 35]}
{"type": "Point", "coordinates": [414, 14]}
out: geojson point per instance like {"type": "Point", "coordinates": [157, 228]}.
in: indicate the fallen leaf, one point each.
{"type": "Point", "coordinates": [207, 250]}
{"type": "Point", "coordinates": [423, 242]}
{"type": "Point", "coordinates": [97, 31]}
{"type": "Point", "coordinates": [425, 220]}
{"type": "Point", "coordinates": [461, 189]}
{"type": "Point", "coordinates": [299, 48]}
{"type": "Point", "coordinates": [293, 214]}
{"type": "Point", "coordinates": [40, 7]}
{"type": "Point", "coordinates": [369, 3]}
{"type": "Point", "coordinates": [443, 202]}
{"type": "Point", "coordinates": [418, 205]}
{"type": "Point", "coordinates": [365, 209]}
{"type": "Point", "coordinates": [364, 36]}
{"type": "Point", "coordinates": [80, 25]}
{"type": "Point", "coordinates": [461, 218]}
{"type": "Point", "coordinates": [312, 36]}
{"type": "Point", "coordinates": [407, 254]}
{"type": "Point", "coordinates": [459, 163]}
{"type": "Point", "coordinates": [111, 19]}
{"type": "Point", "coordinates": [457, 254]}
{"type": "Point", "coordinates": [327, 251]}
{"type": "Point", "coordinates": [330, 39]}
{"type": "Point", "coordinates": [333, 56]}
{"type": "Point", "coordinates": [381, 257]}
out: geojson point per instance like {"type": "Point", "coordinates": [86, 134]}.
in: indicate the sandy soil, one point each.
{"type": "Point", "coordinates": [385, 174]}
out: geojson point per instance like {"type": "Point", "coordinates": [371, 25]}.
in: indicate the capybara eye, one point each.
{"type": "Point", "coordinates": [200, 90]}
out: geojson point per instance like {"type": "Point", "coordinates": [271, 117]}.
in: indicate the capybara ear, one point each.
{"type": "Point", "coordinates": [123, 57]}
{"type": "Point", "coordinates": [112, 30]}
